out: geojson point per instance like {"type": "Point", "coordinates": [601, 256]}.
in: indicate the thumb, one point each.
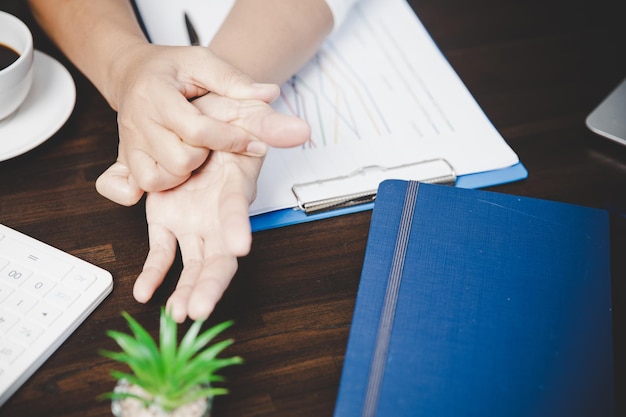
{"type": "Point", "coordinates": [118, 185]}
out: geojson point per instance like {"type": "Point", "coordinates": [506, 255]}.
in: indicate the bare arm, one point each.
{"type": "Point", "coordinates": [163, 137]}
{"type": "Point", "coordinates": [92, 34]}
{"type": "Point", "coordinates": [271, 39]}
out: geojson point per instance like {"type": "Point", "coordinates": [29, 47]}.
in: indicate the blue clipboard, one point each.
{"type": "Point", "coordinates": [291, 216]}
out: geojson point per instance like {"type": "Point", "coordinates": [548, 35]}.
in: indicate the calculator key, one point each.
{"type": "Point", "coordinates": [79, 280]}
{"type": "Point", "coordinates": [62, 297]}
{"type": "Point", "coordinates": [20, 302]}
{"type": "Point", "coordinates": [5, 290]}
{"type": "Point", "coordinates": [43, 314]}
{"type": "Point", "coordinates": [25, 333]}
{"type": "Point", "coordinates": [3, 263]}
{"type": "Point", "coordinates": [7, 320]}
{"type": "Point", "coordinates": [38, 285]}
{"type": "Point", "coordinates": [15, 274]}
{"type": "Point", "coordinates": [9, 351]}
{"type": "Point", "coordinates": [31, 258]}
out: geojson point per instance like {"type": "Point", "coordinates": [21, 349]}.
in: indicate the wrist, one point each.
{"type": "Point", "coordinates": [124, 59]}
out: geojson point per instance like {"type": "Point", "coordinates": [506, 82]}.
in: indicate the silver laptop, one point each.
{"type": "Point", "coordinates": [609, 118]}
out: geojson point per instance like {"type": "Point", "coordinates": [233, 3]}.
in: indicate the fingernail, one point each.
{"type": "Point", "coordinates": [257, 148]}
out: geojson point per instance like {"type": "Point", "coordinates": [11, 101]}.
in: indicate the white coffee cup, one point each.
{"type": "Point", "coordinates": [17, 78]}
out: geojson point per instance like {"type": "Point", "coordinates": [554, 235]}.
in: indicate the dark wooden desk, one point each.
{"type": "Point", "coordinates": [537, 67]}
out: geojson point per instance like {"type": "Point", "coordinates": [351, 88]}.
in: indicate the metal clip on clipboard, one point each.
{"type": "Point", "coordinates": [360, 186]}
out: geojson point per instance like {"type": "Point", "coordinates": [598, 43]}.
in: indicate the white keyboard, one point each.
{"type": "Point", "coordinates": [45, 294]}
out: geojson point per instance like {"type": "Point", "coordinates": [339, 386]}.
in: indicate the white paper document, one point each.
{"type": "Point", "coordinates": [378, 95]}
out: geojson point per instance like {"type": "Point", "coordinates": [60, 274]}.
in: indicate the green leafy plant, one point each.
{"type": "Point", "coordinates": [170, 374]}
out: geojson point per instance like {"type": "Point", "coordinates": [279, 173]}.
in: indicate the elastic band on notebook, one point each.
{"type": "Point", "coordinates": [389, 304]}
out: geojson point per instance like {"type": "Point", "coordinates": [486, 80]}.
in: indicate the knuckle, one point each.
{"type": "Point", "coordinates": [187, 162]}
{"type": "Point", "coordinates": [148, 180]}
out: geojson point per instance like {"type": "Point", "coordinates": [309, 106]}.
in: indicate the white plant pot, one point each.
{"type": "Point", "coordinates": [131, 407]}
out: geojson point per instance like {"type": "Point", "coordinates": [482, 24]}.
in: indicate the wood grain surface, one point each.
{"type": "Point", "coordinates": [537, 68]}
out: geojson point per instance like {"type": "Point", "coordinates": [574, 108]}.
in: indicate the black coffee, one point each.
{"type": "Point", "coordinates": [7, 56]}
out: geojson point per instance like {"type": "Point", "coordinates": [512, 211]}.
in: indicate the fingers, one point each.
{"type": "Point", "coordinates": [258, 118]}
{"type": "Point", "coordinates": [226, 80]}
{"type": "Point", "coordinates": [151, 175]}
{"type": "Point", "coordinates": [158, 262]}
{"type": "Point", "coordinates": [208, 130]}
{"type": "Point", "coordinates": [118, 185]}
{"type": "Point", "coordinates": [165, 137]}
{"type": "Point", "coordinates": [210, 287]}
{"type": "Point", "coordinates": [210, 257]}
{"type": "Point", "coordinates": [162, 150]}
{"type": "Point", "coordinates": [206, 274]}
{"type": "Point", "coordinates": [197, 298]}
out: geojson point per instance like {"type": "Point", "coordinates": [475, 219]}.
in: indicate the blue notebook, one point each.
{"type": "Point", "coordinates": [476, 303]}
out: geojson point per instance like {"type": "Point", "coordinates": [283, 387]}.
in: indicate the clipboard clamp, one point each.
{"type": "Point", "coordinates": [360, 186]}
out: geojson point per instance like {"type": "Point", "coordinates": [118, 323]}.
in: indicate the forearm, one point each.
{"type": "Point", "coordinates": [271, 39]}
{"type": "Point", "coordinates": [94, 35]}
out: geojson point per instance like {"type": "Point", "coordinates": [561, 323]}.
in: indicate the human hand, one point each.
{"type": "Point", "coordinates": [256, 117]}
{"type": "Point", "coordinates": [163, 136]}
{"type": "Point", "coordinates": [208, 217]}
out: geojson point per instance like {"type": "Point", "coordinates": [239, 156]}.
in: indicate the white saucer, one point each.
{"type": "Point", "coordinates": [47, 107]}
